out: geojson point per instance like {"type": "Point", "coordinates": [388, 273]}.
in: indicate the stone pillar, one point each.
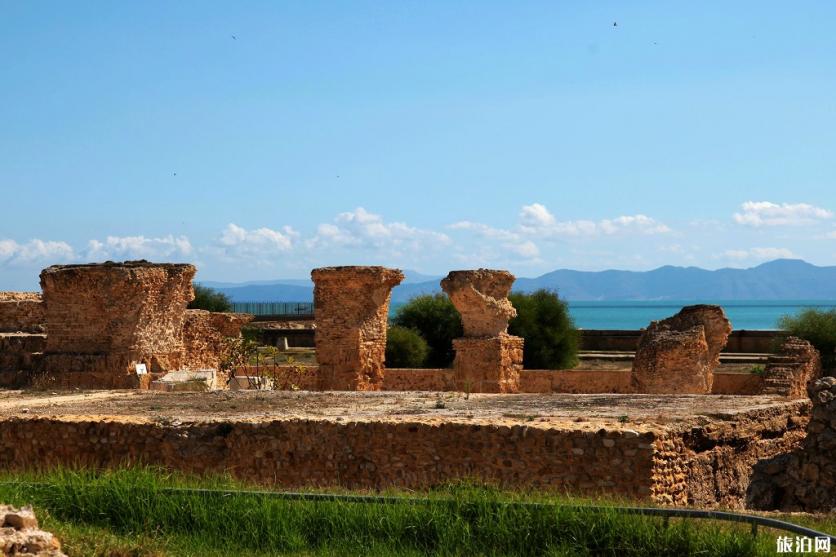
{"type": "Point", "coordinates": [678, 355]}
{"type": "Point", "coordinates": [351, 309]}
{"type": "Point", "coordinates": [104, 319]}
{"type": "Point", "coordinates": [488, 359]}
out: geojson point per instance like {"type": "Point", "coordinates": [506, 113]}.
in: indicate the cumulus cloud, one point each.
{"type": "Point", "coordinates": [758, 254]}
{"type": "Point", "coordinates": [536, 221]}
{"type": "Point", "coordinates": [138, 247]}
{"type": "Point", "coordinates": [363, 229]}
{"type": "Point", "coordinates": [14, 253]}
{"type": "Point", "coordinates": [237, 242]}
{"type": "Point", "coordinates": [766, 213]}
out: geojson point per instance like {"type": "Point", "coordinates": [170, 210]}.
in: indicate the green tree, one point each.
{"type": "Point", "coordinates": [543, 320]}
{"type": "Point", "coordinates": [816, 326]}
{"type": "Point", "coordinates": [210, 299]}
{"type": "Point", "coordinates": [437, 321]}
{"type": "Point", "coordinates": [405, 348]}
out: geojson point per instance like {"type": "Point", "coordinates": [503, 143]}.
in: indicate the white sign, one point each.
{"type": "Point", "coordinates": [141, 369]}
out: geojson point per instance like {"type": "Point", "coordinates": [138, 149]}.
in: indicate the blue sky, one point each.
{"type": "Point", "coordinates": [261, 139]}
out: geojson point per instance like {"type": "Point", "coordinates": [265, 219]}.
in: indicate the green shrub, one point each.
{"type": "Point", "coordinates": [210, 299]}
{"type": "Point", "coordinates": [437, 320]}
{"type": "Point", "coordinates": [816, 326]}
{"type": "Point", "coordinates": [551, 339]}
{"type": "Point", "coordinates": [405, 348]}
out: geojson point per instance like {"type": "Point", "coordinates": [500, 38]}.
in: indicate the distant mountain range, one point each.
{"type": "Point", "coordinates": [782, 279]}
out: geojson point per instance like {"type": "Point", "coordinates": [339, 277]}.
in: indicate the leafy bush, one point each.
{"type": "Point", "coordinates": [551, 339]}
{"type": "Point", "coordinates": [437, 320]}
{"type": "Point", "coordinates": [816, 326]}
{"type": "Point", "coordinates": [210, 299]}
{"type": "Point", "coordinates": [405, 348]}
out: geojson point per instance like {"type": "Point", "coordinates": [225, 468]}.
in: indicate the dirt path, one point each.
{"type": "Point", "coordinates": [23, 399]}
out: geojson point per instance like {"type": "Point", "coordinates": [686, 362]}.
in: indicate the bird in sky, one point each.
{"type": "Point", "coordinates": [234, 38]}
{"type": "Point", "coordinates": [615, 24]}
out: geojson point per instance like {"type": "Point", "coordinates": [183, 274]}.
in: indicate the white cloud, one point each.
{"type": "Point", "coordinates": [537, 221]}
{"type": "Point", "coordinates": [363, 229]}
{"type": "Point", "coordinates": [832, 235]}
{"type": "Point", "coordinates": [14, 253]}
{"type": "Point", "coordinates": [138, 247]}
{"type": "Point", "coordinates": [237, 242]}
{"type": "Point", "coordinates": [758, 254]}
{"type": "Point", "coordinates": [526, 249]}
{"type": "Point", "coordinates": [766, 213]}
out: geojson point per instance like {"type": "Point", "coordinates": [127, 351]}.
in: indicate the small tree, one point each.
{"type": "Point", "coordinates": [817, 327]}
{"type": "Point", "coordinates": [405, 348]}
{"type": "Point", "coordinates": [543, 320]}
{"type": "Point", "coordinates": [437, 321]}
{"type": "Point", "coordinates": [209, 299]}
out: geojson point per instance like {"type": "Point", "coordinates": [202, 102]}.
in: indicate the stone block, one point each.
{"type": "Point", "coordinates": [488, 365]}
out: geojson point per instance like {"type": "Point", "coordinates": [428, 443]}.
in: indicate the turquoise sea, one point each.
{"type": "Point", "coordinates": [750, 315]}
{"type": "Point", "coordinates": [635, 315]}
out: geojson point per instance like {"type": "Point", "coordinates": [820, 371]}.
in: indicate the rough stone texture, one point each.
{"type": "Point", "coordinates": [20, 353]}
{"type": "Point", "coordinates": [205, 334]}
{"type": "Point", "coordinates": [351, 312]}
{"type": "Point", "coordinates": [106, 318]}
{"type": "Point", "coordinates": [21, 312]}
{"type": "Point", "coordinates": [20, 536]}
{"type": "Point", "coordinates": [679, 354]}
{"type": "Point", "coordinates": [488, 359]}
{"type": "Point", "coordinates": [670, 450]}
{"type": "Point", "coordinates": [790, 370]}
{"type": "Point", "coordinates": [804, 479]}
{"type": "Point", "coordinates": [481, 297]}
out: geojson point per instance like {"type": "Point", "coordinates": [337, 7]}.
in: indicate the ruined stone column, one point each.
{"type": "Point", "coordinates": [488, 359]}
{"type": "Point", "coordinates": [104, 319]}
{"type": "Point", "coordinates": [351, 308]}
{"type": "Point", "coordinates": [678, 355]}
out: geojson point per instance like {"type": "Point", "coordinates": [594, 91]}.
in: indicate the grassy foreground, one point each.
{"type": "Point", "coordinates": [128, 513]}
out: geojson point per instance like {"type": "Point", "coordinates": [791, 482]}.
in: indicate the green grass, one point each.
{"type": "Point", "coordinates": [127, 512]}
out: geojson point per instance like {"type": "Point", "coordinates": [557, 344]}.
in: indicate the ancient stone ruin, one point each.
{"type": "Point", "coordinates": [104, 319]}
{"type": "Point", "coordinates": [679, 354]}
{"type": "Point", "coordinates": [351, 307]}
{"type": "Point", "coordinates": [21, 335]}
{"type": "Point", "coordinates": [205, 334]}
{"type": "Point", "coordinates": [805, 479]}
{"type": "Point", "coordinates": [488, 359]}
{"type": "Point", "coordinates": [789, 371]}
{"type": "Point", "coordinates": [20, 535]}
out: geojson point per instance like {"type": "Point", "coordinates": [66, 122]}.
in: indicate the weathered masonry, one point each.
{"type": "Point", "coordinates": [352, 307]}
{"type": "Point", "coordinates": [488, 359]}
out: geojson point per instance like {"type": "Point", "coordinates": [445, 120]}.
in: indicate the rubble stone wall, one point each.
{"type": "Point", "coordinates": [789, 371]}
{"type": "Point", "coordinates": [205, 334]}
{"type": "Point", "coordinates": [351, 311]}
{"type": "Point", "coordinates": [665, 466]}
{"type": "Point", "coordinates": [21, 312]}
{"type": "Point", "coordinates": [805, 478]}
{"type": "Point", "coordinates": [106, 318]}
{"type": "Point", "coordinates": [679, 354]}
{"type": "Point", "coordinates": [20, 535]}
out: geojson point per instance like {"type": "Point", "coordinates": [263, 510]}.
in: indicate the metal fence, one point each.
{"type": "Point", "coordinates": [274, 308]}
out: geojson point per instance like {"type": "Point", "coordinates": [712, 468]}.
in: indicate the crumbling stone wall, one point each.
{"type": "Point", "coordinates": [703, 461]}
{"type": "Point", "coordinates": [351, 310]}
{"type": "Point", "coordinates": [679, 354]}
{"type": "Point", "coordinates": [790, 370]}
{"type": "Point", "coordinates": [20, 535]}
{"type": "Point", "coordinates": [488, 359]}
{"type": "Point", "coordinates": [804, 479]}
{"type": "Point", "coordinates": [205, 335]}
{"type": "Point", "coordinates": [103, 319]}
{"type": "Point", "coordinates": [21, 312]}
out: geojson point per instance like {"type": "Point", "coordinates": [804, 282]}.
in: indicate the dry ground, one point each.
{"type": "Point", "coordinates": [611, 411]}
